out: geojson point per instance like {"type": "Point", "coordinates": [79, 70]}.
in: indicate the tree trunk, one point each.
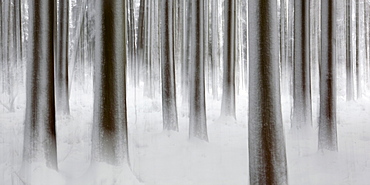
{"type": "Point", "coordinates": [141, 39]}
{"type": "Point", "coordinates": [169, 110]}
{"type": "Point", "coordinates": [197, 104]}
{"type": "Point", "coordinates": [367, 20]}
{"type": "Point", "coordinates": [290, 47]}
{"type": "Point", "coordinates": [228, 94]}
{"type": "Point", "coordinates": [327, 120]}
{"type": "Point", "coordinates": [302, 108]}
{"type": "Point", "coordinates": [245, 40]}
{"type": "Point", "coordinates": [19, 39]}
{"type": "Point", "coordinates": [110, 139]}
{"type": "Point", "coordinates": [284, 74]}
{"type": "Point", "coordinates": [358, 64]}
{"type": "Point", "coordinates": [267, 155]}
{"type": "Point", "coordinates": [349, 65]}
{"type": "Point", "coordinates": [187, 52]}
{"type": "Point", "coordinates": [131, 42]}
{"type": "Point", "coordinates": [61, 64]}
{"type": "Point", "coordinates": [39, 132]}
{"type": "Point", "coordinates": [214, 50]}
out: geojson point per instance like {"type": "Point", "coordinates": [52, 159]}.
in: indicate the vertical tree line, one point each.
{"type": "Point", "coordinates": [179, 49]}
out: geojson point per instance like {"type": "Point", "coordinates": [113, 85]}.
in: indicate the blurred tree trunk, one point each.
{"type": "Point", "coordinates": [328, 96]}
{"type": "Point", "coordinates": [214, 50]}
{"type": "Point", "coordinates": [197, 104]}
{"type": "Point", "coordinates": [358, 62]}
{"type": "Point", "coordinates": [349, 65]}
{"type": "Point", "coordinates": [169, 109]}
{"type": "Point", "coordinates": [39, 132]}
{"type": "Point", "coordinates": [61, 63]}
{"type": "Point", "coordinates": [110, 138]}
{"type": "Point", "coordinates": [267, 155]}
{"type": "Point", "coordinates": [187, 51]}
{"type": "Point", "coordinates": [228, 94]}
{"type": "Point", "coordinates": [302, 106]}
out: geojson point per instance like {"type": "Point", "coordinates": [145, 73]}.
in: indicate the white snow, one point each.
{"type": "Point", "coordinates": [160, 158]}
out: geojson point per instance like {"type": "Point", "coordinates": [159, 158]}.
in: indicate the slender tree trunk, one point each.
{"type": "Point", "coordinates": [186, 63]}
{"type": "Point", "coordinates": [367, 35]}
{"type": "Point", "coordinates": [302, 109]}
{"type": "Point", "coordinates": [214, 49]}
{"type": "Point", "coordinates": [19, 39]}
{"type": "Point", "coordinates": [228, 94]}
{"type": "Point", "coordinates": [267, 155]}
{"type": "Point", "coordinates": [145, 61]}
{"type": "Point", "coordinates": [206, 44]}
{"type": "Point", "coordinates": [197, 104]}
{"type": "Point", "coordinates": [327, 120]}
{"type": "Point", "coordinates": [290, 45]}
{"type": "Point", "coordinates": [131, 43]}
{"type": "Point", "coordinates": [5, 43]}
{"type": "Point", "coordinates": [141, 38]}
{"type": "Point", "coordinates": [282, 46]}
{"type": "Point", "coordinates": [61, 64]}
{"type": "Point", "coordinates": [349, 65]}
{"type": "Point", "coordinates": [39, 132]}
{"type": "Point", "coordinates": [358, 64]}
{"type": "Point", "coordinates": [110, 138]}
{"type": "Point", "coordinates": [245, 40]}
{"type": "Point", "coordinates": [169, 109]}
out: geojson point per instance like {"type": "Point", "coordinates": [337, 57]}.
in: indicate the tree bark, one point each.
{"type": "Point", "coordinates": [169, 109]}
{"type": "Point", "coordinates": [327, 121]}
{"type": "Point", "coordinates": [228, 94]}
{"type": "Point", "coordinates": [302, 106]}
{"type": "Point", "coordinates": [39, 132]}
{"type": "Point", "coordinates": [267, 155]}
{"type": "Point", "coordinates": [198, 123]}
{"type": "Point", "coordinates": [110, 138]}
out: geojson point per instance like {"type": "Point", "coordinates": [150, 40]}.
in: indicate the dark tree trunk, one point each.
{"type": "Point", "coordinates": [198, 123]}
{"type": "Point", "coordinates": [169, 109]}
{"type": "Point", "coordinates": [110, 139]}
{"type": "Point", "coordinates": [327, 120]}
{"type": "Point", "coordinates": [39, 132]}
{"type": "Point", "coordinates": [228, 94]}
{"type": "Point", "coordinates": [302, 107]}
{"type": "Point", "coordinates": [141, 39]}
{"type": "Point", "coordinates": [267, 155]}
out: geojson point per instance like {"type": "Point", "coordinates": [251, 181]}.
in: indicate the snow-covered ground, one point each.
{"type": "Point", "coordinates": [161, 158]}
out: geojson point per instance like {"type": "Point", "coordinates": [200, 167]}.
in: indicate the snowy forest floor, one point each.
{"type": "Point", "coordinates": [162, 158]}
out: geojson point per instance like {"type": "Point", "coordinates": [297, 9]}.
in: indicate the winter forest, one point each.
{"type": "Point", "coordinates": [188, 92]}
